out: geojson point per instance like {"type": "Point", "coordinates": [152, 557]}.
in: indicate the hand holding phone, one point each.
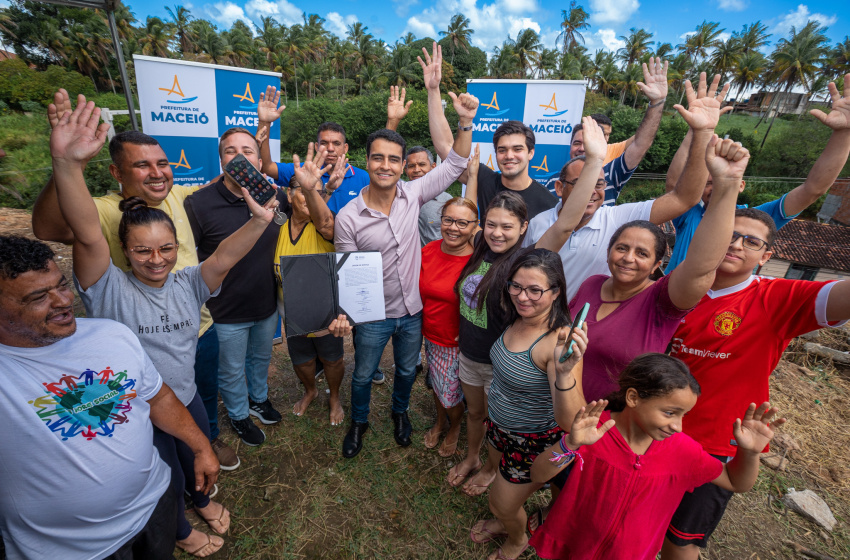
{"type": "Point", "coordinates": [577, 324]}
{"type": "Point", "coordinates": [247, 176]}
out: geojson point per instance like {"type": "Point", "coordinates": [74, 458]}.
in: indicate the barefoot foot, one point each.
{"type": "Point", "coordinates": [301, 406]}
{"type": "Point", "coordinates": [337, 413]}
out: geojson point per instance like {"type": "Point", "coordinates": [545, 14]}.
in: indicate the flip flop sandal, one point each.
{"type": "Point", "coordinates": [481, 528]}
{"type": "Point", "coordinates": [461, 478]}
{"type": "Point", "coordinates": [220, 520]}
{"type": "Point", "coordinates": [537, 514]}
{"type": "Point", "coordinates": [203, 546]}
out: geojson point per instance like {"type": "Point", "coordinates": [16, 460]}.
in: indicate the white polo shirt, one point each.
{"type": "Point", "coordinates": [586, 251]}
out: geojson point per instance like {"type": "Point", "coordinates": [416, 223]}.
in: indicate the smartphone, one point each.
{"type": "Point", "coordinates": [246, 175]}
{"type": "Point", "coordinates": [577, 324]}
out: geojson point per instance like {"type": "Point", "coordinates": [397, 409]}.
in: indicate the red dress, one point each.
{"type": "Point", "coordinates": [618, 505]}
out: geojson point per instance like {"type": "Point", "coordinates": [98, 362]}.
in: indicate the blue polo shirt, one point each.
{"type": "Point", "coordinates": [616, 177]}
{"type": "Point", "coordinates": [686, 226]}
{"type": "Point", "coordinates": [355, 179]}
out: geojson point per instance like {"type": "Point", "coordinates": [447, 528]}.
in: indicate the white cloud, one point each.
{"type": "Point", "coordinates": [226, 13]}
{"type": "Point", "coordinates": [402, 7]}
{"type": "Point", "coordinates": [684, 36]}
{"type": "Point", "coordinates": [338, 25]}
{"type": "Point", "coordinates": [518, 6]}
{"type": "Point", "coordinates": [800, 18]}
{"type": "Point", "coordinates": [518, 25]}
{"type": "Point", "coordinates": [420, 28]}
{"type": "Point", "coordinates": [609, 39]}
{"type": "Point", "coordinates": [612, 11]}
{"type": "Point", "coordinates": [733, 5]}
{"type": "Point", "coordinates": [724, 36]}
{"type": "Point", "coordinates": [281, 10]}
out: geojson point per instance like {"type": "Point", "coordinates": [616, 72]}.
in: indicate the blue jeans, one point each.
{"type": "Point", "coordinates": [245, 351]}
{"type": "Point", "coordinates": [206, 376]}
{"type": "Point", "coordinates": [370, 339]}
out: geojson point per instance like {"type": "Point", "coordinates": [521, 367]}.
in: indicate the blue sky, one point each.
{"type": "Point", "coordinates": [494, 20]}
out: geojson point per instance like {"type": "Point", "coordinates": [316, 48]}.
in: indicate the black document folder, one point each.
{"type": "Point", "coordinates": [317, 288]}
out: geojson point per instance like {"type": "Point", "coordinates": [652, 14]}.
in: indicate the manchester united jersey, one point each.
{"type": "Point", "coordinates": [733, 340]}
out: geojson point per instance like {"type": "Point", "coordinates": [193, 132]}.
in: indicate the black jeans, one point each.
{"type": "Point", "coordinates": [156, 540]}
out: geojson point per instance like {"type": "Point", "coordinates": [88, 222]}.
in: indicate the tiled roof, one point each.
{"type": "Point", "coordinates": [813, 244]}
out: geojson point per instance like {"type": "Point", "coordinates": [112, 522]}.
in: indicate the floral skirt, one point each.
{"type": "Point", "coordinates": [442, 369]}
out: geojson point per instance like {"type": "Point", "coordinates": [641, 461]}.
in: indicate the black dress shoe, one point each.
{"type": "Point", "coordinates": [353, 442]}
{"type": "Point", "coordinates": [402, 428]}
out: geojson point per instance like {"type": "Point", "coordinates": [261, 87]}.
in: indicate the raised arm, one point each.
{"type": "Point", "coordinates": [565, 377]}
{"type": "Point", "coordinates": [169, 415]}
{"type": "Point", "coordinates": [752, 435]}
{"type": "Point", "coordinates": [830, 163]}
{"type": "Point", "coordinates": [309, 176]}
{"type": "Point", "coordinates": [74, 140]}
{"type": "Point", "coordinates": [677, 165]}
{"type": "Point", "coordinates": [396, 108]}
{"type": "Point", "coordinates": [594, 151]}
{"type": "Point", "coordinates": [691, 280]}
{"type": "Point", "coordinates": [654, 87]}
{"type": "Point", "coordinates": [236, 246]}
{"type": "Point", "coordinates": [268, 111]}
{"type": "Point", "coordinates": [48, 224]}
{"type": "Point", "coordinates": [702, 116]}
{"type": "Point", "coordinates": [471, 192]}
{"type": "Point", "coordinates": [432, 73]}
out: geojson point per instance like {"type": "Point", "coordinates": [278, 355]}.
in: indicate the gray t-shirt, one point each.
{"type": "Point", "coordinates": [165, 319]}
{"type": "Point", "coordinates": [429, 218]}
{"type": "Point", "coordinates": [79, 475]}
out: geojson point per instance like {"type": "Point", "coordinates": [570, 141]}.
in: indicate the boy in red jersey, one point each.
{"type": "Point", "coordinates": [731, 342]}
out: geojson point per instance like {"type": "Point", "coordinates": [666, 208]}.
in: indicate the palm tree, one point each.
{"type": "Point", "coordinates": [80, 51]}
{"type": "Point", "coordinates": [607, 77]}
{"type": "Point", "coordinates": [401, 70]}
{"type": "Point", "coordinates": [407, 39]}
{"type": "Point", "coordinates": [364, 53]}
{"type": "Point", "coordinates": [574, 22]}
{"type": "Point", "coordinates": [458, 34]}
{"type": "Point", "coordinates": [156, 37]}
{"type": "Point", "coordinates": [706, 38]}
{"type": "Point", "coordinates": [637, 44]}
{"type": "Point", "coordinates": [527, 49]}
{"type": "Point", "coordinates": [663, 50]}
{"type": "Point", "coordinates": [839, 58]}
{"type": "Point", "coordinates": [628, 83]}
{"type": "Point", "coordinates": [747, 71]}
{"type": "Point", "coordinates": [356, 31]}
{"type": "Point", "coordinates": [208, 41]}
{"type": "Point", "coordinates": [269, 34]}
{"type": "Point", "coordinates": [725, 56]}
{"type": "Point", "coordinates": [368, 75]}
{"type": "Point", "coordinates": [181, 20]}
{"type": "Point", "coordinates": [753, 36]}
{"type": "Point", "coordinates": [504, 63]}
{"type": "Point", "coordinates": [239, 43]}
{"type": "Point", "coordinates": [310, 77]}
{"type": "Point", "coordinates": [293, 45]}
{"type": "Point", "coordinates": [284, 64]}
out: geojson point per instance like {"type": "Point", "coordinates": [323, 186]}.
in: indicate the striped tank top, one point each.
{"type": "Point", "coordinates": [520, 398]}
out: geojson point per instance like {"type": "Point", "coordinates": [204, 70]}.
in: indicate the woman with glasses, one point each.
{"type": "Point", "coordinates": [442, 261]}
{"type": "Point", "coordinates": [534, 393]}
{"type": "Point", "coordinates": [162, 308]}
{"type": "Point", "coordinates": [483, 319]}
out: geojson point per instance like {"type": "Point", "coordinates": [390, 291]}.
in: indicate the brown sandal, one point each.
{"type": "Point", "coordinates": [220, 520]}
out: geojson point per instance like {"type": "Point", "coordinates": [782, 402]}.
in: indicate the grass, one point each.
{"type": "Point", "coordinates": [748, 125]}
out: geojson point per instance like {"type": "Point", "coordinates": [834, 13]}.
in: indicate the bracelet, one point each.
{"type": "Point", "coordinates": [567, 454]}
{"type": "Point", "coordinates": [657, 103]}
{"type": "Point", "coordinates": [463, 128]}
{"type": "Point", "coordinates": [573, 386]}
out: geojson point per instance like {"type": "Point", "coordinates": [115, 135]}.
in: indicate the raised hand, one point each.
{"type": "Point", "coordinates": [839, 117]}
{"type": "Point", "coordinates": [267, 108]}
{"type": "Point", "coordinates": [703, 112]}
{"type": "Point", "coordinates": [396, 107]}
{"type": "Point", "coordinates": [309, 175]}
{"type": "Point", "coordinates": [756, 430]}
{"type": "Point", "coordinates": [337, 174]}
{"type": "Point", "coordinates": [654, 84]}
{"type": "Point", "coordinates": [466, 105]}
{"type": "Point", "coordinates": [264, 213]}
{"type": "Point", "coordinates": [262, 134]}
{"type": "Point", "coordinates": [432, 66]}
{"type": "Point", "coordinates": [61, 105]}
{"type": "Point", "coordinates": [77, 137]}
{"type": "Point", "coordinates": [474, 162]}
{"type": "Point", "coordinates": [340, 326]}
{"type": "Point", "coordinates": [584, 430]}
{"type": "Point", "coordinates": [726, 160]}
{"type": "Point", "coordinates": [564, 370]}
{"type": "Point", "coordinates": [595, 145]}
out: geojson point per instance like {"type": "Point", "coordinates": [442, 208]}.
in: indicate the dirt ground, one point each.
{"type": "Point", "coordinates": [295, 497]}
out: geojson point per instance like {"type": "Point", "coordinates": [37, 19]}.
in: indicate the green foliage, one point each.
{"type": "Point", "coordinates": [792, 152]}
{"type": "Point", "coordinates": [20, 84]}
{"type": "Point", "coordinates": [637, 191]}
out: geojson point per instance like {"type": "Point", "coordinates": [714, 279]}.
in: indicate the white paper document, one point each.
{"type": "Point", "coordinates": [360, 283]}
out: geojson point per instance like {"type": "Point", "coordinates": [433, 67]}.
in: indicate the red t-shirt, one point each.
{"type": "Point", "coordinates": [440, 304]}
{"type": "Point", "coordinates": [733, 340]}
{"type": "Point", "coordinates": [618, 504]}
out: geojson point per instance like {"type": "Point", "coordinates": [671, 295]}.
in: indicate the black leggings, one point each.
{"type": "Point", "coordinates": [181, 459]}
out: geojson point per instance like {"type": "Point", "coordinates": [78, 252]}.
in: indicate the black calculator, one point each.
{"type": "Point", "coordinates": [246, 175]}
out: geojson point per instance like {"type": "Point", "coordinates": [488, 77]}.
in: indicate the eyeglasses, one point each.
{"type": "Point", "coordinates": [462, 224]}
{"type": "Point", "coordinates": [532, 292]}
{"type": "Point", "coordinates": [600, 184]}
{"type": "Point", "coordinates": [750, 242]}
{"type": "Point", "coordinates": [167, 252]}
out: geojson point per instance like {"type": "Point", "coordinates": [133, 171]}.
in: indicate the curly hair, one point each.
{"type": "Point", "coordinates": [19, 255]}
